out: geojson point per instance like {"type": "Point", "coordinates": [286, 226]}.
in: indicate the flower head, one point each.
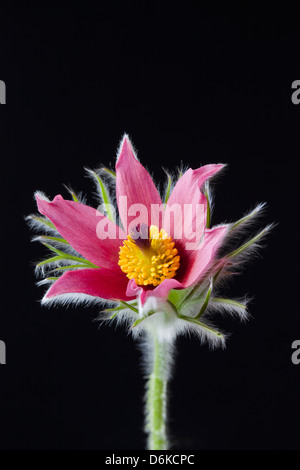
{"type": "Point", "coordinates": [159, 268]}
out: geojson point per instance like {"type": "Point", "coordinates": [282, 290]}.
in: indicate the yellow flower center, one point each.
{"type": "Point", "coordinates": [150, 260]}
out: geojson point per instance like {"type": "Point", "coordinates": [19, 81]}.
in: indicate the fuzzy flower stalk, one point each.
{"type": "Point", "coordinates": [151, 261]}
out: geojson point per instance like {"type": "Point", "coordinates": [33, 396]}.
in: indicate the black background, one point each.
{"type": "Point", "coordinates": [190, 84]}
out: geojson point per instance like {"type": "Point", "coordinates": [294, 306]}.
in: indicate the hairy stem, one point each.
{"type": "Point", "coordinates": [156, 399]}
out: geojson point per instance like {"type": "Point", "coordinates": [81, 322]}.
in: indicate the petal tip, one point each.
{"type": "Point", "coordinates": [40, 196]}
{"type": "Point", "coordinates": [132, 288]}
{"type": "Point", "coordinates": [43, 201]}
{"type": "Point", "coordinates": [125, 149]}
{"type": "Point", "coordinates": [46, 299]}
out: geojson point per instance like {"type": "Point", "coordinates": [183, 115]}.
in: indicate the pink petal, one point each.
{"type": "Point", "coordinates": [95, 282]}
{"type": "Point", "coordinates": [191, 179]}
{"type": "Point", "coordinates": [197, 262]}
{"type": "Point", "coordinates": [188, 192]}
{"type": "Point", "coordinates": [160, 292]}
{"type": "Point", "coordinates": [134, 182]}
{"type": "Point", "coordinates": [78, 223]}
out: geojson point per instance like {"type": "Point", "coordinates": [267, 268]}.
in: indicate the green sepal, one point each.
{"type": "Point", "coordinates": [109, 171]}
{"type": "Point", "coordinates": [113, 315]}
{"type": "Point", "coordinates": [246, 245]}
{"type": "Point", "coordinates": [118, 309]}
{"type": "Point", "coordinates": [217, 274]}
{"type": "Point", "coordinates": [177, 296]}
{"type": "Point", "coordinates": [49, 260]}
{"type": "Point", "coordinates": [104, 194]}
{"type": "Point", "coordinates": [208, 212]}
{"type": "Point", "coordinates": [246, 217]}
{"type": "Point", "coordinates": [180, 298]}
{"type": "Point", "coordinates": [127, 305]}
{"type": "Point", "coordinates": [54, 239]}
{"type": "Point", "coordinates": [206, 301]}
{"type": "Point", "coordinates": [65, 256]}
{"type": "Point", "coordinates": [46, 222]}
{"type": "Point", "coordinates": [73, 194]}
{"type": "Point", "coordinates": [70, 266]}
{"type": "Point", "coordinates": [75, 198]}
{"type": "Point", "coordinates": [168, 191]}
{"type": "Point", "coordinates": [139, 320]}
{"type": "Point", "coordinates": [232, 302]}
{"type": "Point", "coordinates": [203, 325]}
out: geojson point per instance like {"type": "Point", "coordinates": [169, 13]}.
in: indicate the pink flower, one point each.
{"type": "Point", "coordinates": [159, 266]}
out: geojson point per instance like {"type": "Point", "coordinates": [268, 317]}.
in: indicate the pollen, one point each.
{"type": "Point", "coordinates": [149, 261]}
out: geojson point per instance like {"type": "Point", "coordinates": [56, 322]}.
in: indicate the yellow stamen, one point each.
{"type": "Point", "coordinates": [152, 262]}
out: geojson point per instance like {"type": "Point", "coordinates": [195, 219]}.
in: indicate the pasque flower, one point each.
{"type": "Point", "coordinates": [158, 265]}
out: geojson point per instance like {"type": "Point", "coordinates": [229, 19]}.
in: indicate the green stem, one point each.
{"type": "Point", "coordinates": [156, 402]}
